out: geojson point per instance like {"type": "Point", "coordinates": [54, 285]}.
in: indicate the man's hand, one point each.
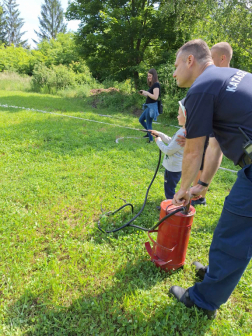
{"type": "Point", "coordinates": [197, 190]}
{"type": "Point", "coordinates": [182, 197]}
{"type": "Point", "coordinates": [181, 140]}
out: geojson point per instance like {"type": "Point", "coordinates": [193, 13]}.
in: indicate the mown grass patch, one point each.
{"type": "Point", "coordinates": [60, 275]}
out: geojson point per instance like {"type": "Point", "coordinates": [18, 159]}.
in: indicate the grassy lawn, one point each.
{"type": "Point", "coordinates": [62, 276]}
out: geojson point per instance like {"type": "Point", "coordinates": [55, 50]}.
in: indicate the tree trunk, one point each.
{"type": "Point", "coordinates": [136, 79]}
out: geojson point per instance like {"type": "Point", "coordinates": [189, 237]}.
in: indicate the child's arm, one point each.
{"type": "Point", "coordinates": [165, 138]}
{"type": "Point", "coordinates": [172, 147]}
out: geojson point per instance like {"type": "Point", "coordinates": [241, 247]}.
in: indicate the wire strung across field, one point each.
{"type": "Point", "coordinates": [90, 120]}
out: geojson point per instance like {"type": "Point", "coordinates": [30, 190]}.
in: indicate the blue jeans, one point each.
{"type": "Point", "coordinates": [148, 124]}
{"type": "Point", "coordinates": [170, 182]}
{"type": "Point", "coordinates": [231, 248]}
{"type": "Point", "coordinates": [150, 112]}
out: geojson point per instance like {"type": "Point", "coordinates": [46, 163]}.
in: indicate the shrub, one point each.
{"type": "Point", "coordinates": [16, 59]}
{"type": "Point", "coordinates": [118, 101]}
{"type": "Point", "coordinates": [42, 76]}
{"type": "Point", "coordinates": [82, 73]}
{"type": "Point", "coordinates": [55, 78]}
{"type": "Point", "coordinates": [63, 78]}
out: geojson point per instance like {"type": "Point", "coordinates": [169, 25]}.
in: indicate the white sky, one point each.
{"type": "Point", "coordinates": [30, 10]}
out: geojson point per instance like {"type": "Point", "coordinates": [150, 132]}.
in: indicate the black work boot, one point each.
{"type": "Point", "coordinates": [201, 269]}
{"type": "Point", "coordinates": [182, 295]}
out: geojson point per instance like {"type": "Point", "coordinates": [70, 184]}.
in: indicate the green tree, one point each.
{"type": "Point", "coordinates": [16, 59]}
{"type": "Point", "coordinates": [13, 24]}
{"type": "Point", "coordinates": [51, 21]}
{"type": "Point", "coordinates": [235, 22]}
{"type": "Point", "coordinates": [230, 21]}
{"type": "Point", "coordinates": [2, 26]}
{"type": "Point", "coordinates": [61, 50]}
{"type": "Point", "coordinates": [121, 37]}
{"type": "Point", "coordinates": [115, 34]}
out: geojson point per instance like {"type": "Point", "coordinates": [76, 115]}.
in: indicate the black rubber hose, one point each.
{"type": "Point", "coordinates": [161, 220]}
{"type": "Point", "coordinates": [143, 206]}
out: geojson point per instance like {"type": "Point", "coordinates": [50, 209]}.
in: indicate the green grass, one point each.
{"type": "Point", "coordinates": [60, 275]}
{"type": "Point", "coordinates": [12, 81]}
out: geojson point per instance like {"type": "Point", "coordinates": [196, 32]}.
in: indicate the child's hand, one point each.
{"type": "Point", "coordinates": [181, 140]}
{"type": "Point", "coordinates": [155, 133]}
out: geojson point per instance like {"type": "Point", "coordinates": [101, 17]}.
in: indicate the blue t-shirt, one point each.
{"type": "Point", "coordinates": [218, 102]}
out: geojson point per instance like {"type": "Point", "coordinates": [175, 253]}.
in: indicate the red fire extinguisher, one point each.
{"type": "Point", "coordinates": [169, 250]}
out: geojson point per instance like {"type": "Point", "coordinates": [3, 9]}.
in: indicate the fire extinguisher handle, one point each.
{"type": "Point", "coordinates": [187, 208]}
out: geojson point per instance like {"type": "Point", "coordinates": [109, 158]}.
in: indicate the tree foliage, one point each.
{"type": "Point", "coordinates": [13, 24]}
{"type": "Point", "coordinates": [2, 26]}
{"type": "Point", "coordinates": [115, 35]}
{"type": "Point", "coordinates": [59, 50]}
{"type": "Point", "coordinates": [16, 59]}
{"type": "Point", "coordinates": [230, 21]}
{"type": "Point", "coordinates": [121, 38]}
{"type": "Point", "coordinates": [51, 21]}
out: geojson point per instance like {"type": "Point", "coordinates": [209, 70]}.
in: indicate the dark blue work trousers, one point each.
{"type": "Point", "coordinates": [231, 247]}
{"type": "Point", "coordinates": [171, 180]}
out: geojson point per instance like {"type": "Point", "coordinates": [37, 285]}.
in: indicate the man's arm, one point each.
{"type": "Point", "coordinates": [191, 164]}
{"type": "Point", "coordinates": [213, 158]}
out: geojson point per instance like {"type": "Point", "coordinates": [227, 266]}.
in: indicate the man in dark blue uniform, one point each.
{"type": "Point", "coordinates": [219, 102]}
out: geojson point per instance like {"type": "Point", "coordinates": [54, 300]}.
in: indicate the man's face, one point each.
{"type": "Point", "coordinates": [182, 74]}
{"type": "Point", "coordinates": [217, 59]}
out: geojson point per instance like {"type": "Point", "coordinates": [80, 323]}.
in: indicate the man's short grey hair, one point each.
{"type": "Point", "coordinates": [198, 48]}
{"type": "Point", "coordinates": [224, 48]}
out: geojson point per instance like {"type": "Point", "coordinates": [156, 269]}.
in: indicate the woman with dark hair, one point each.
{"type": "Point", "coordinates": [150, 107]}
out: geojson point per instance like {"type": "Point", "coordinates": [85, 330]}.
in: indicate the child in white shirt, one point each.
{"type": "Point", "coordinates": [173, 153]}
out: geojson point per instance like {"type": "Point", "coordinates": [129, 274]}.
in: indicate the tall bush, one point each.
{"type": "Point", "coordinates": [43, 77]}
{"type": "Point", "coordinates": [58, 77]}
{"type": "Point", "coordinates": [16, 59]}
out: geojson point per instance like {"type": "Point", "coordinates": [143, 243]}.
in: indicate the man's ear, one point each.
{"type": "Point", "coordinates": [223, 58]}
{"type": "Point", "coordinates": [190, 61]}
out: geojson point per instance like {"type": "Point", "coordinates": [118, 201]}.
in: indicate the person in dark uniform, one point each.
{"type": "Point", "coordinates": [150, 107]}
{"type": "Point", "coordinates": [221, 53]}
{"type": "Point", "coordinates": [219, 101]}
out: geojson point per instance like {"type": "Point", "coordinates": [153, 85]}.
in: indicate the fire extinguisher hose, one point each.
{"type": "Point", "coordinates": [141, 210]}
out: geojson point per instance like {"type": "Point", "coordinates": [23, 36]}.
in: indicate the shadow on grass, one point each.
{"type": "Point", "coordinates": [46, 102]}
{"type": "Point", "coordinates": [55, 103]}
{"type": "Point", "coordinates": [94, 104]}
{"type": "Point", "coordinates": [131, 306]}
{"type": "Point", "coordinates": [64, 135]}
